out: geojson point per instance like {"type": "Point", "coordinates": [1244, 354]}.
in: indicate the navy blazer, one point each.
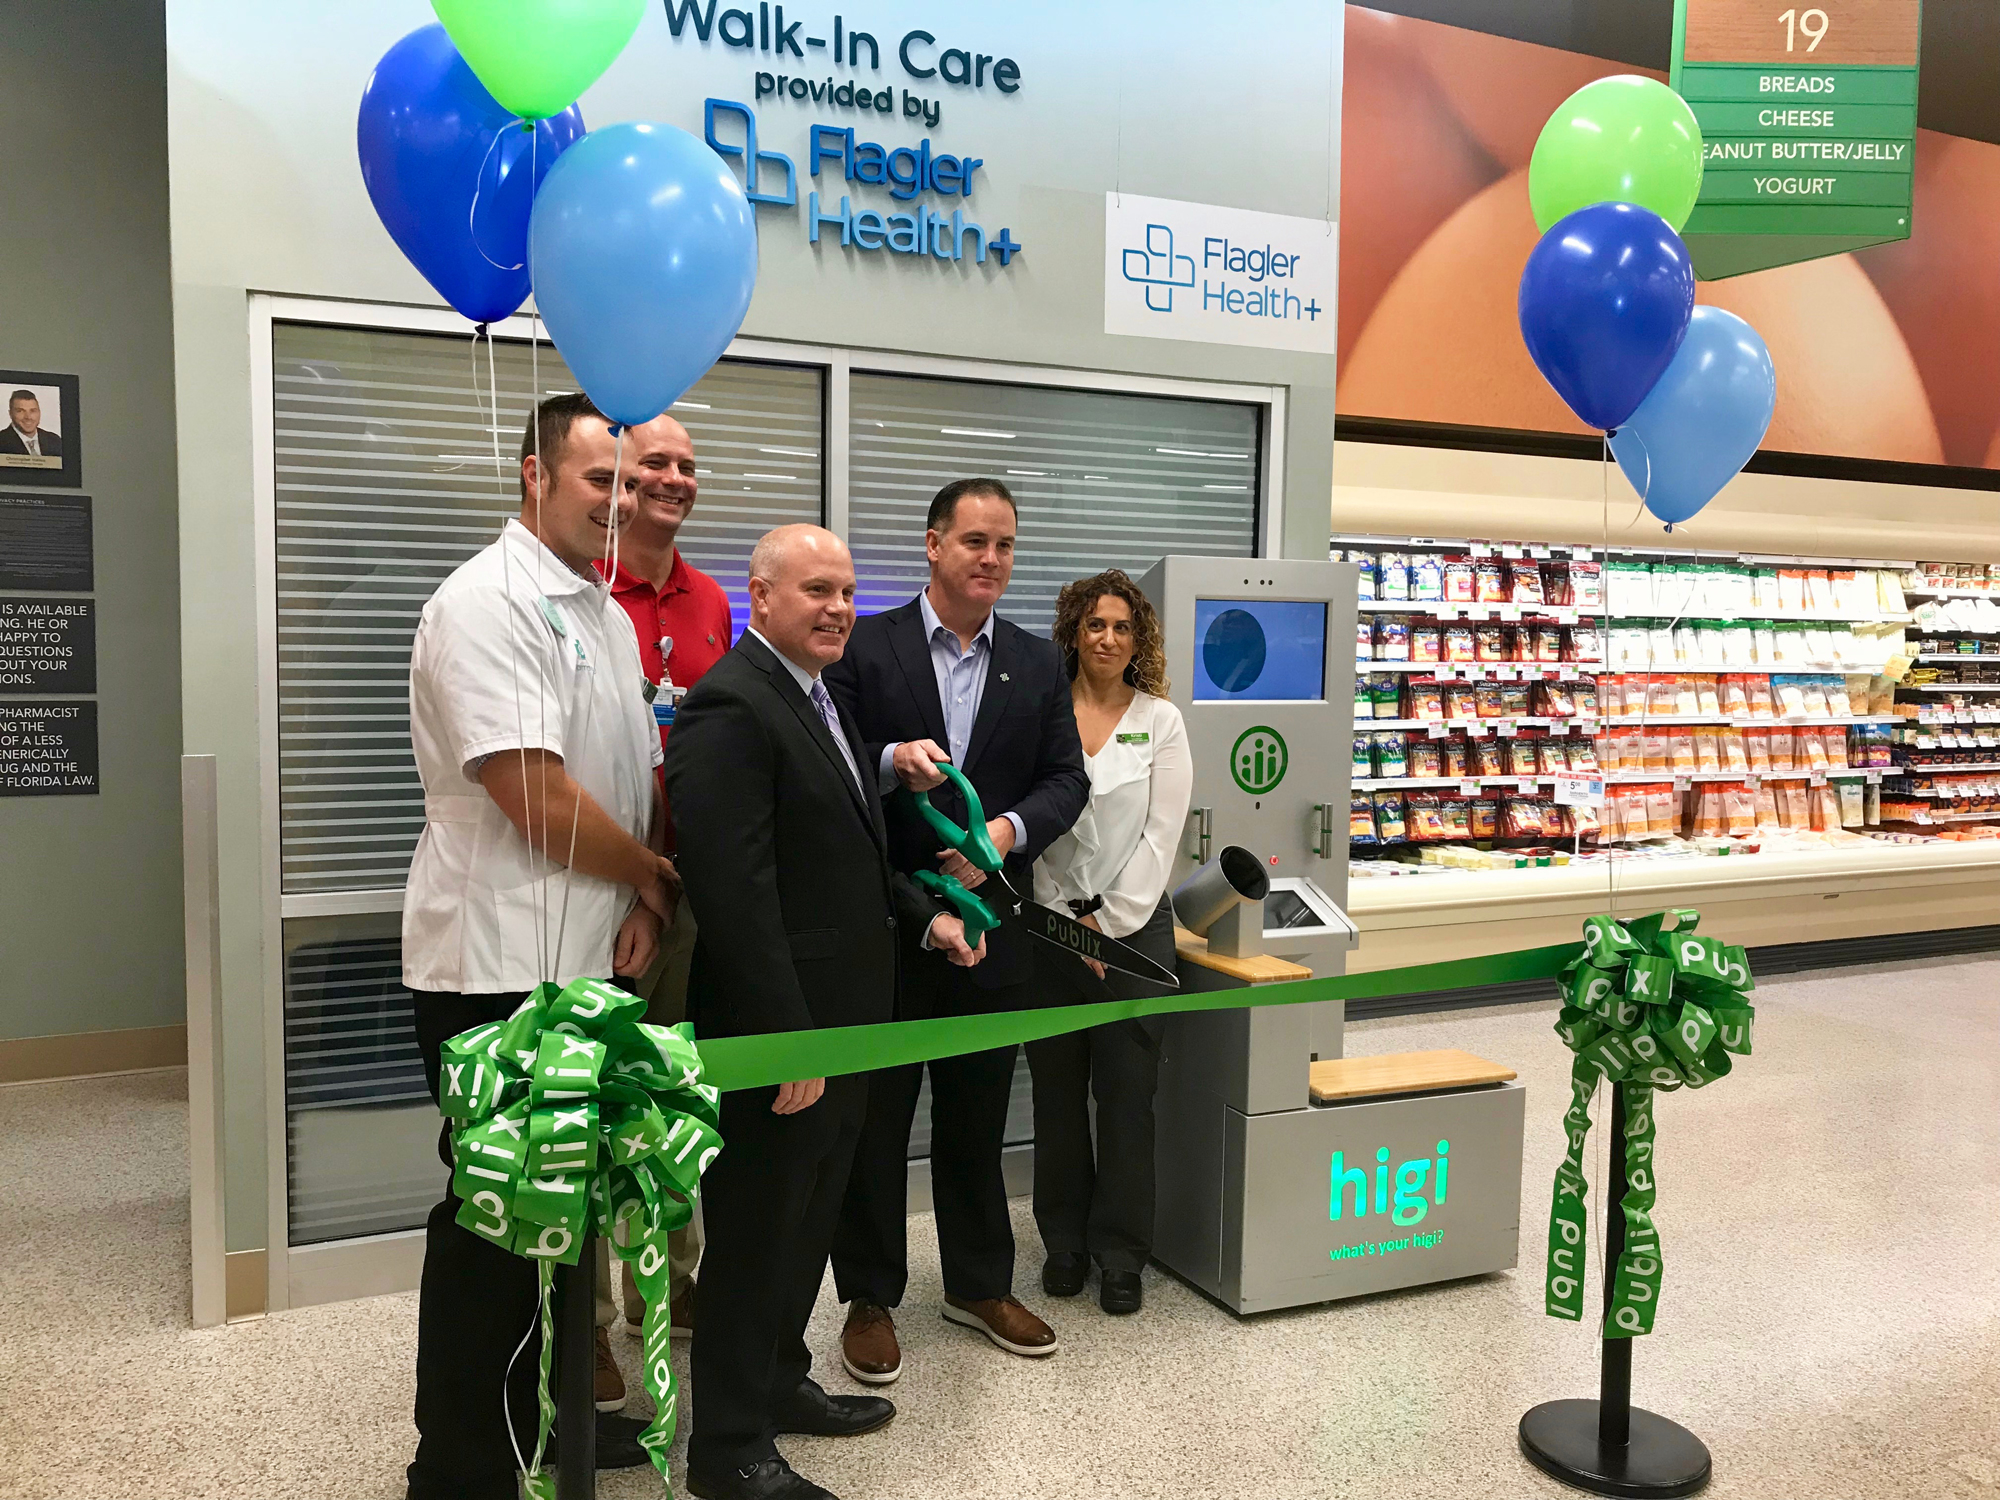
{"type": "Point", "coordinates": [1024, 755]}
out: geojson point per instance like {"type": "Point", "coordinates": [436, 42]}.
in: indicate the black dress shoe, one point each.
{"type": "Point", "coordinates": [1120, 1292]}
{"type": "Point", "coordinates": [813, 1413]}
{"type": "Point", "coordinates": [617, 1443]}
{"type": "Point", "coordinates": [772, 1479]}
{"type": "Point", "coordinates": [1063, 1273]}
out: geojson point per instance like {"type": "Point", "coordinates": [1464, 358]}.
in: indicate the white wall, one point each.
{"type": "Point", "coordinates": [1176, 100]}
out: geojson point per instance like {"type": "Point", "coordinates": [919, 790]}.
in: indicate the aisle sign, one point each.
{"type": "Point", "coordinates": [1808, 117]}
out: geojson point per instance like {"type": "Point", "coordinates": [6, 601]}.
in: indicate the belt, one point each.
{"type": "Point", "coordinates": [1081, 909]}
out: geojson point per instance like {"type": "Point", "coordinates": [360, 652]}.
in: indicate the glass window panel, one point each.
{"type": "Point", "coordinates": [1102, 480]}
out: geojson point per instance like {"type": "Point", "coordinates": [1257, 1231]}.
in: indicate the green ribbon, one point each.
{"type": "Point", "coordinates": [1655, 1008]}
{"type": "Point", "coordinates": [573, 1115]}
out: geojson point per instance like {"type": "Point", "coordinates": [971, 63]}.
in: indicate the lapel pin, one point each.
{"type": "Point", "coordinates": [1003, 677]}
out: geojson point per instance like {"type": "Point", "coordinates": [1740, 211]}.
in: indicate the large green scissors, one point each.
{"type": "Point", "coordinates": [1055, 927]}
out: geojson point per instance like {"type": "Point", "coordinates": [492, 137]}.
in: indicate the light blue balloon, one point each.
{"type": "Point", "coordinates": [1701, 423]}
{"type": "Point", "coordinates": [643, 251]}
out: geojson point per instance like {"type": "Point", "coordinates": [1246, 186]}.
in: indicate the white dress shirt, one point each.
{"type": "Point", "coordinates": [961, 683]}
{"type": "Point", "coordinates": [1122, 846]}
{"type": "Point", "coordinates": [515, 651]}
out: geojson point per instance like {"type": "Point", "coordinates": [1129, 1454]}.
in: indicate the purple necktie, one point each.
{"type": "Point", "coordinates": [823, 701]}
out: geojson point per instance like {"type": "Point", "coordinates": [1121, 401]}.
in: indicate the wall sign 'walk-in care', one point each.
{"type": "Point", "coordinates": [1218, 275]}
{"type": "Point", "coordinates": [1808, 119]}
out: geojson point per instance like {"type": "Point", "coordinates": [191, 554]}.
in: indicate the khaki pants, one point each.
{"type": "Point", "coordinates": [665, 987]}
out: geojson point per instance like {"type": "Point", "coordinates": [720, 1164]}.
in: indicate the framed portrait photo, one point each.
{"type": "Point", "coordinates": [41, 438]}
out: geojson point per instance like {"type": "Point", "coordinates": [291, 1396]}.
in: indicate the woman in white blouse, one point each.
{"type": "Point", "coordinates": [1111, 870]}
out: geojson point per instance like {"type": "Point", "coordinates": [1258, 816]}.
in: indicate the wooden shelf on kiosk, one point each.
{"type": "Point", "coordinates": [1261, 969]}
{"type": "Point", "coordinates": [1337, 1078]}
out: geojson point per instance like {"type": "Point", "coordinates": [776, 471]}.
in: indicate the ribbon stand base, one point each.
{"type": "Point", "coordinates": [1609, 1446]}
{"type": "Point", "coordinates": [576, 1366]}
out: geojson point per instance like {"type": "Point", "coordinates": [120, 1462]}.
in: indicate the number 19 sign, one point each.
{"type": "Point", "coordinates": [1809, 124]}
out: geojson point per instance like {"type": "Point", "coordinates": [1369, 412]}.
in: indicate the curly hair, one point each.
{"type": "Point", "coordinates": [1147, 670]}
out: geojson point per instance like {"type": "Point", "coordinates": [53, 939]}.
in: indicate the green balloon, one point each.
{"type": "Point", "coordinates": [1622, 139]}
{"type": "Point", "coordinates": [538, 56]}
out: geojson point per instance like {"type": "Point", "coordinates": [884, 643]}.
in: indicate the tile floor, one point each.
{"type": "Point", "coordinates": [1830, 1325]}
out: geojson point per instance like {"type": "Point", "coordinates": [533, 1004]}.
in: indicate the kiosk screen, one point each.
{"type": "Point", "coordinates": [1266, 650]}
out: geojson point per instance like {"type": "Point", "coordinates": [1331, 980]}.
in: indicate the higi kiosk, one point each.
{"type": "Point", "coordinates": [1258, 1203]}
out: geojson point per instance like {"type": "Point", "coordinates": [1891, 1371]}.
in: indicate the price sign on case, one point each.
{"type": "Point", "coordinates": [1580, 791]}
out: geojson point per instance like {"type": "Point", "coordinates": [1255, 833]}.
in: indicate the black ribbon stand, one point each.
{"type": "Point", "coordinates": [1609, 1446]}
{"type": "Point", "coordinates": [576, 1370]}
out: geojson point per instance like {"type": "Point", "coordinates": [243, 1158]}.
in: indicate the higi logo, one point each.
{"type": "Point", "coordinates": [1257, 760]}
{"type": "Point", "coordinates": [1158, 269]}
{"type": "Point", "coordinates": [1351, 1184]}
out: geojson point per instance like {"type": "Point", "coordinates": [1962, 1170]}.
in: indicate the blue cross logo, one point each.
{"type": "Point", "coordinates": [1157, 266]}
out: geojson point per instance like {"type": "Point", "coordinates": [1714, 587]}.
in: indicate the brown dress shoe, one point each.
{"type": "Point", "coordinates": [607, 1385]}
{"type": "Point", "coordinates": [868, 1344]}
{"type": "Point", "coordinates": [680, 1313]}
{"type": "Point", "coordinates": [1005, 1321]}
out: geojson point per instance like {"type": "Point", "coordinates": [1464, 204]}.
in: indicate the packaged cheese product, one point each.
{"type": "Point", "coordinates": [1781, 750]}
{"type": "Point", "coordinates": [1732, 697]}
{"type": "Point", "coordinates": [1739, 807]}
{"type": "Point", "coordinates": [1663, 811]}
{"type": "Point", "coordinates": [1729, 740]}
{"type": "Point", "coordinates": [1659, 751]}
{"type": "Point", "coordinates": [1812, 691]}
{"type": "Point", "coordinates": [1757, 750]}
{"type": "Point", "coordinates": [1426, 643]}
{"type": "Point", "coordinates": [1706, 694]}
{"type": "Point", "coordinates": [1707, 749]}
{"type": "Point", "coordinates": [1762, 703]}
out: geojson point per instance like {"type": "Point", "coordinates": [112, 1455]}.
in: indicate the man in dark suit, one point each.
{"type": "Point", "coordinates": [783, 852]}
{"type": "Point", "coordinates": [939, 678]}
{"type": "Point", "coordinates": [24, 433]}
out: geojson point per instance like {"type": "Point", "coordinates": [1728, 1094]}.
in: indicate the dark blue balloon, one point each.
{"type": "Point", "coordinates": [449, 172]}
{"type": "Point", "coordinates": [1605, 301]}
{"type": "Point", "coordinates": [1700, 425]}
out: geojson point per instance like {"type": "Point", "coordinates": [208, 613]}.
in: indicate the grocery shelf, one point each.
{"type": "Point", "coordinates": [1755, 669]}
{"type": "Point", "coordinates": [1984, 765]}
{"type": "Point", "coordinates": [1958, 656]}
{"type": "Point", "coordinates": [1451, 669]}
{"type": "Point", "coordinates": [1951, 687]}
{"type": "Point", "coordinates": [1930, 593]}
{"type": "Point", "coordinates": [1935, 819]}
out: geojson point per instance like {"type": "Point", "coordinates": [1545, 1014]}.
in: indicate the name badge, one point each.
{"type": "Point", "coordinates": [1135, 739]}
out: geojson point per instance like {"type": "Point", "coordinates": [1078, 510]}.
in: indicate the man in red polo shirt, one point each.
{"type": "Point", "coordinates": [682, 619]}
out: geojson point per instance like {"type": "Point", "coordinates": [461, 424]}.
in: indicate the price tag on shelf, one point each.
{"type": "Point", "coordinates": [1535, 551]}
{"type": "Point", "coordinates": [1580, 791]}
{"type": "Point", "coordinates": [1504, 728]}
{"type": "Point", "coordinates": [1565, 614]}
{"type": "Point", "coordinates": [1437, 731]}
{"type": "Point", "coordinates": [1503, 673]}
{"type": "Point", "coordinates": [1531, 673]}
{"type": "Point", "coordinates": [1753, 782]}
{"type": "Point", "coordinates": [1681, 783]}
{"type": "Point", "coordinates": [1567, 671]}
{"type": "Point", "coordinates": [1468, 788]}
{"type": "Point", "coordinates": [1473, 671]}
{"type": "Point", "coordinates": [1475, 729]}
{"type": "Point", "coordinates": [1510, 549]}
{"type": "Point", "coordinates": [1482, 549]}
{"type": "Point", "coordinates": [1526, 783]}
{"type": "Point", "coordinates": [1508, 612]}
{"type": "Point", "coordinates": [1584, 726]}
{"type": "Point", "coordinates": [1581, 554]}
{"type": "Point", "coordinates": [1816, 778]}
{"type": "Point", "coordinates": [1477, 612]}
{"type": "Point", "coordinates": [1874, 778]}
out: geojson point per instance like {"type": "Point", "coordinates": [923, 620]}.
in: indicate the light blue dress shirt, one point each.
{"type": "Point", "coordinates": [961, 684]}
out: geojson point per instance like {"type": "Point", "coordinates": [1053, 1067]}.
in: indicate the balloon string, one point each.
{"type": "Point", "coordinates": [513, 631]}
{"type": "Point", "coordinates": [472, 213]}
{"type": "Point", "coordinates": [541, 480]}
{"type": "Point", "coordinates": [590, 706]}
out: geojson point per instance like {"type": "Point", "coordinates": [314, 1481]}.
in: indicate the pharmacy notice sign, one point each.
{"type": "Point", "coordinates": [1218, 275]}
{"type": "Point", "coordinates": [1809, 125]}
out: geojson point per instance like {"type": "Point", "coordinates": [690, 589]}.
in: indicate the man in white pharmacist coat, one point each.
{"type": "Point", "coordinates": [536, 748]}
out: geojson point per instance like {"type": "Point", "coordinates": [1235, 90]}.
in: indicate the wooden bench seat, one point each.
{"type": "Point", "coordinates": [1338, 1078]}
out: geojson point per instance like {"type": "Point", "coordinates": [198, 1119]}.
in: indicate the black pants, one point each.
{"type": "Point", "coordinates": [1099, 1201]}
{"type": "Point", "coordinates": [968, 1126]}
{"type": "Point", "coordinates": [770, 1200]}
{"type": "Point", "coordinates": [477, 1302]}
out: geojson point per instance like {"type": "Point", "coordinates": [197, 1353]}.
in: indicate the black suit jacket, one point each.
{"type": "Point", "coordinates": [10, 442]}
{"type": "Point", "coordinates": [1023, 757]}
{"type": "Point", "coordinates": [784, 859]}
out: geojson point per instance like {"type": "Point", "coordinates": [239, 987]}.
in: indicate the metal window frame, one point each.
{"type": "Point", "coordinates": [362, 1267]}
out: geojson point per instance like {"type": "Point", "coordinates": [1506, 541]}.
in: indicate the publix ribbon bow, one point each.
{"type": "Point", "coordinates": [572, 1115]}
{"type": "Point", "coordinates": [1652, 1008]}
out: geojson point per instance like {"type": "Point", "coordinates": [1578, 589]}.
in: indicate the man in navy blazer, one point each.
{"type": "Point", "coordinates": [944, 678]}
